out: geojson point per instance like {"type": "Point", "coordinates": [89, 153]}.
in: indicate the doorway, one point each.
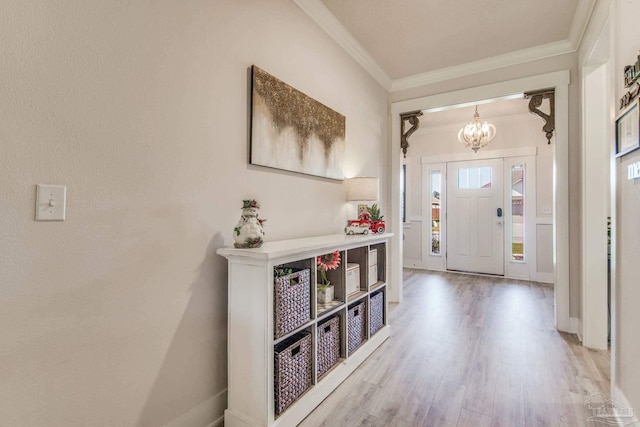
{"type": "Point", "coordinates": [560, 210]}
{"type": "Point", "coordinates": [458, 236]}
{"type": "Point", "coordinates": [475, 234]}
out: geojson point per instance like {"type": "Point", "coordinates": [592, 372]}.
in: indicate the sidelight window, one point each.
{"type": "Point", "coordinates": [517, 212]}
{"type": "Point", "coordinates": [436, 191]}
{"type": "Point", "coordinates": [403, 192]}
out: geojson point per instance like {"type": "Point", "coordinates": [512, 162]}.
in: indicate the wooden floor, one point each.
{"type": "Point", "coordinates": [470, 351]}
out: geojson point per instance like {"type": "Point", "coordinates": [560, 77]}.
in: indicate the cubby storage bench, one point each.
{"type": "Point", "coordinates": [287, 353]}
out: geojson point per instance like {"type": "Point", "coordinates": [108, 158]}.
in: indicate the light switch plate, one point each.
{"type": "Point", "coordinates": [51, 202]}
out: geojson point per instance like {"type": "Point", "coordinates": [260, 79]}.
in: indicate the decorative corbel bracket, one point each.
{"type": "Point", "coordinates": [536, 101]}
{"type": "Point", "coordinates": [412, 118]}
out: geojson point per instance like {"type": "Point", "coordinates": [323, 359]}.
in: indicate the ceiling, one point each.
{"type": "Point", "coordinates": [406, 43]}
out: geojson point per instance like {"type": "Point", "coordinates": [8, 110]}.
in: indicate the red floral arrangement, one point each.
{"type": "Point", "coordinates": [327, 262]}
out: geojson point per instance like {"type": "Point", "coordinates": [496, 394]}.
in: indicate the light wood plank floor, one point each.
{"type": "Point", "coordinates": [470, 351]}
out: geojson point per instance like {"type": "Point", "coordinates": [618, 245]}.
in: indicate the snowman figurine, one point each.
{"type": "Point", "coordinates": [249, 233]}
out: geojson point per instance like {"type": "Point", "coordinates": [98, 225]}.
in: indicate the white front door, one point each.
{"type": "Point", "coordinates": [475, 216]}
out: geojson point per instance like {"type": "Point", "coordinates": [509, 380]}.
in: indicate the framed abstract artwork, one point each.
{"type": "Point", "coordinates": [292, 131]}
{"type": "Point", "coordinates": [628, 130]}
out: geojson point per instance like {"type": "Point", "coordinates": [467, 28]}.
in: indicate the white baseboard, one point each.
{"type": "Point", "coordinates": [574, 323]}
{"type": "Point", "coordinates": [217, 423]}
{"type": "Point", "coordinates": [544, 277]}
{"type": "Point", "coordinates": [412, 263]}
{"type": "Point", "coordinates": [203, 414]}
{"type": "Point", "coordinates": [619, 398]}
{"type": "Point", "coordinates": [577, 322]}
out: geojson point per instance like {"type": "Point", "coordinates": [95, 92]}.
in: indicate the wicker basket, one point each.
{"type": "Point", "coordinates": [328, 344]}
{"type": "Point", "coordinates": [356, 323]}
{"type": "Point", "coordinates": [293, 361]}
{"type": "Point", "coordinates": [292, 302]}
{"type": "Point", "coordinates": [376, 315]}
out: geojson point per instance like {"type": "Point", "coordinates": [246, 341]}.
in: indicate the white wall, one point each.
{"type": "Point", "coordinates": [625, 349]}
{"type": "Point", "coordinates": [627, 346]}
{"type": "Point", "coordinates": [117, 316]}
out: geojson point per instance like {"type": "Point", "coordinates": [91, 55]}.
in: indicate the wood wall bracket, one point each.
{"type": "Point", "coordinates": [412, 118]}
{"type": "Point", "coordinates": [536, 101]}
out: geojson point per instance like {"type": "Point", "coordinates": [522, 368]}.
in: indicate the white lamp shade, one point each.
{"type": "Point", "coordinates": [362, 189]}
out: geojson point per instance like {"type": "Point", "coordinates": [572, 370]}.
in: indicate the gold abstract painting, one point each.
{"type": "Point", "coordinates": [292, 131]}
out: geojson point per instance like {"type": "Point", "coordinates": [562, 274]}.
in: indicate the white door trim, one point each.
{"type": "Point", "coordinates": [511, 156]}
{"type": "Point", "coordinates": [558, 80]}
{"type": "Point", "coordinates": [597, 145]}
{"type": "Point", "coordinates": [595, 191]}
{"type": "Point", "coordinates": [480, 155]}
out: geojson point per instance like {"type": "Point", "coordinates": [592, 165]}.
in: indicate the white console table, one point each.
{"type": "Point", "coordinates": [251, 321]}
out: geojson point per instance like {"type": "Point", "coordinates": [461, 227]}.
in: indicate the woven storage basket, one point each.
{"type": "Point", "coordinates": [328, 344]}
{"type": "Point", "coordinates": [292, 302]}
{"type": "Point", "coordinates": [293, 364]}
{"type": "Point", "coordinates": [376, 315]}
{"type": "Point", "coordinates": [356, 323]}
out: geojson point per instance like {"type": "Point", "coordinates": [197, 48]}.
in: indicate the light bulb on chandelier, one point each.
{"type": "Point", "coordinates": [476, 134]}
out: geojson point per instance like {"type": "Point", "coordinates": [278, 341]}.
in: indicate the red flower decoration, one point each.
{"type": "Point", "coordinates": [329, 261]}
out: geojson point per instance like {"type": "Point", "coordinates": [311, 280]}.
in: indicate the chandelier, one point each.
{"type": "Point", "coordinates": [476, 134]}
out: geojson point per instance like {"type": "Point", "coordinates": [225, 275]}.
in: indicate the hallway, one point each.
{"type": "Point", "coordinates": [470, 351]}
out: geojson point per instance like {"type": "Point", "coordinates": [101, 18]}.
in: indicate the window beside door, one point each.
{"type": "Point", "coordinates": [403, 192]}
{"type": "Point", "coordinates": [517, 212]}
{"type": "Point", "coordinates": [436, 191]}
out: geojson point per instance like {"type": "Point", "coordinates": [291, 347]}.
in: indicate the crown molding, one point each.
{"type": "Point", "coordinates": [319, 13]}
{"type": "Point", "coordinates": [334, 28]}
{"type": "Point", "coordinates": [593, 51]}
{"type": "Point", "coordinates": [580, 21]}
{"type": "Point", "coordinates": [483, 65]}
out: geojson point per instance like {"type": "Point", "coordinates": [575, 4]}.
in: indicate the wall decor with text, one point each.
{"type": "Point", "coordinates": [292, 131]}
{"type": "Point", "coordinates": [628, 130]}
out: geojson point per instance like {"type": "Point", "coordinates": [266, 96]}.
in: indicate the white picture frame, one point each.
{"type": "Point", "coordinates": [628, 129]}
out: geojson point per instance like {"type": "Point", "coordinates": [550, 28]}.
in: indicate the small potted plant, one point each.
{"type": "Point", "coordinates": [282, 271]}
{"type": "Point", "coordinates": [326, 262]}
{"type": "Point", "coordinates": [377, 224]}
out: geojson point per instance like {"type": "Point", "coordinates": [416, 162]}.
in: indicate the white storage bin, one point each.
{"type": "Point", "coordinates": [373, 257]}
{"type": "Point", "coordinates": [373, 274]}
{"type": "Point", "coordinates": [353, 278]}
